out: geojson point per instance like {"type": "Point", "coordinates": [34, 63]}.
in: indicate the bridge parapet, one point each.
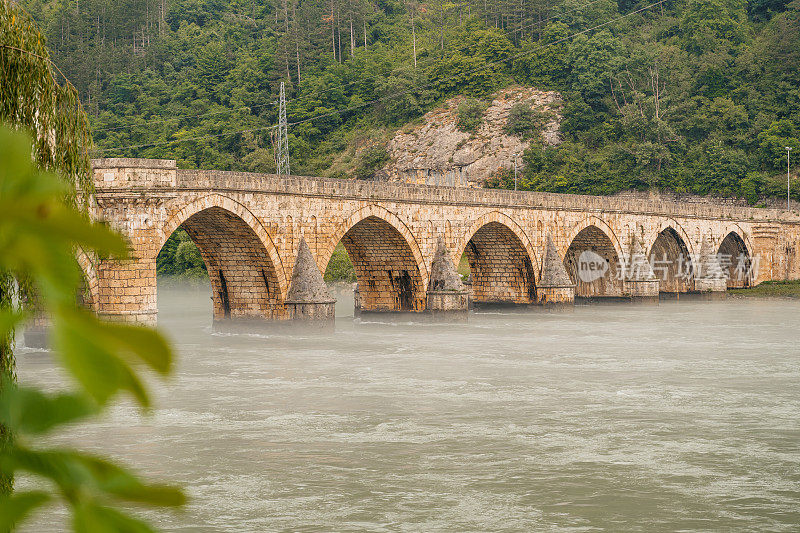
{"type": "Point", "coordinates": [158, 174]}
{"type": "Point", "coordinates": [129, 172]}
{"type": "Point", "coordinates": [331, 187]}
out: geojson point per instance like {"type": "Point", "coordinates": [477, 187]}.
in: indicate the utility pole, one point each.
{"type": "Point", "coordinates": [414, 38]}
{"type": "Point", "coordinates": [788, 149]}
{"type": "Point", "coordinates": [515, 170]}
{"type": "Point", "coordinates": [282, 146]}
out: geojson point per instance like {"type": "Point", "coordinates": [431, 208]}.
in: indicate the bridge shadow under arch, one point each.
{"type": "Point", "coordinates": [671, 261]}
{"type": "Point", "coordinates": [594, 263]}
{"type": "Point", "coordinates": [389, 270]}
{"type": "Point", "coordinates": [735, 259]}
{"type": "Point", "coordinates": [502, 265]}
{"type": "Point", "coordinates": [245, 281]}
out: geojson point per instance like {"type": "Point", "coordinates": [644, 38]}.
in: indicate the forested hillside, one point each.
{"type": "Point", "coordinates": [692, 95]}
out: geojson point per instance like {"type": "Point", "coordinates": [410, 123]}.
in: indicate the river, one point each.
{"type": "Point", "coordinates": [678, 416]}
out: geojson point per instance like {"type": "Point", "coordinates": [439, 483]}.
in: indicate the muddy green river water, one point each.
{"type": "Point", "coordinates": [683, 416]}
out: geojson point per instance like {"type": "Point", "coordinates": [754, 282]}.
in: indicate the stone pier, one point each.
{"type": "Point", "coordinates": [308, 300]}
{"type": "Point", "coordinates": [640, 280]}
{"type": "Point", "coordinates": [448, 299]}
{"type": "Point", "coordinates": [555, 286]}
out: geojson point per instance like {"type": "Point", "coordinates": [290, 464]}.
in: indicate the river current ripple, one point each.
{"type": "Point", "coordinates": [680, 416]}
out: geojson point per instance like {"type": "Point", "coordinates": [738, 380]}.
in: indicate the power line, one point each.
{"type": "Point", "coordinates": [538, 22]}
{"type": "Point", "coordinates": [307, 96]}
{"type": "Point", "coordinates": [393, 95]}
{"type": "Point", "coordinates": [186, 139]}
{"type": "Point", "coordinates": [186, 117]}
{"type": "Point", "coordinates": [34, 54]}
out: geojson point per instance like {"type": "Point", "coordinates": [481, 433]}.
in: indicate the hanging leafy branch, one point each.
{"type": "Point", "coordinates": [38, 236]}
{"type": "Point", "coordinates": [40, 229]}
{"type": "Point", "coordinates": [31, 98]}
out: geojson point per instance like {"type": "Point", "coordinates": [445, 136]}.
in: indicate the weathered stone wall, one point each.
{"type": "Point", "coordinates": [501, 270]}
{"type": "Point", "coordinates": [121, 173]}
{"type": "Point", "coordinates": [388, 275]}
{"type": "Point", "coordinates": [243, 280]}
{"type": "Point", "coordinates": [773, 202]}
{"type": "Point", "coordinates": [611, 282]}
{"type": "Point", "coordinates": [391, 231]}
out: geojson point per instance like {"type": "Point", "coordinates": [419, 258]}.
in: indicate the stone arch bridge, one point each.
{"type": "Point", "coordinates": [266, 240]}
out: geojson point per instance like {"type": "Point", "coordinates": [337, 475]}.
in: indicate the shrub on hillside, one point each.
{"type": "Point", "coordinates": [370, 160]}
{"type": "Point", "coordinates": [470, 115]}
{"type": "Point", "coordinates": [525, 121]}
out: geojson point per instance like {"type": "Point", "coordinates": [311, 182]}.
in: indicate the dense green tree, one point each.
{"type": "Point", "coordinates": [708, 25]}
{"type": "Point", "coordinates": [593, 61]}
{"type": "Point", "coordinates": [646, 97]}
{"type": "Point", "coordinates": [544, 62]}
{"type": "Point", "coordinates": [774, 141]}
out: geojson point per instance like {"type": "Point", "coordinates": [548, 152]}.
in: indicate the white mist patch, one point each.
{"type": "Point", "coordinates": [591, 266]}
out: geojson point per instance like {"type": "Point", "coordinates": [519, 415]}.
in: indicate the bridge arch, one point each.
{"type": "Point", "coordinates": [735, 256]}
{"type": "Point", "coordinates": [732, 227]}
{"type": "Point", "coordinates": [390, 269]}
{"type": "Point", "coordinates": [503, 264]}
{"type": "Point", "coordinates": [669, 223]}
{"type": "Point", "coordinates": [670, 252]}
{"type": "Point", "coordinates": [90, 289]}
{"type": "Point", "coordinates": [245, 269]}
{"type": "Point", "coordinates": [603, 226]}
{"type": "Point", "coordinates": [596, 236]}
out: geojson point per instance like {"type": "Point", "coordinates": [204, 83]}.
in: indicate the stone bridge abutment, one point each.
{"type": "Point", "coordinates": [523, 248]}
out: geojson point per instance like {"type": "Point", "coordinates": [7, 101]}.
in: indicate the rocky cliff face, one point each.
{"type": "Point", "coordinates": [438, 153]}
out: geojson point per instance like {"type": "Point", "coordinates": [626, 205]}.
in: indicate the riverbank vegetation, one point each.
{"type": "Point", "coordinates": [340, 268]}
{"type": "Point", "coordinates": [770, 289]}
{"type": "Point", "coordinates": [180, 259]}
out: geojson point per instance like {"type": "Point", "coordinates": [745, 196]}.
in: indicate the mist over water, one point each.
{"type": "Point", "coordinates": [681, 416]}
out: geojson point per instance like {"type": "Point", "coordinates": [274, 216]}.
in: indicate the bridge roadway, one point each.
{"type": "Point", "coordinates": [405, 240]}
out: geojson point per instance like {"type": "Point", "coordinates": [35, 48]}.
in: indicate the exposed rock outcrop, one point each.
{"type": "Point", "coordinates": [438, 153]}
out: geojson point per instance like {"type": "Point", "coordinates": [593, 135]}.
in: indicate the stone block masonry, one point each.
{"type": "Point", "coordinates": [249, 228]}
